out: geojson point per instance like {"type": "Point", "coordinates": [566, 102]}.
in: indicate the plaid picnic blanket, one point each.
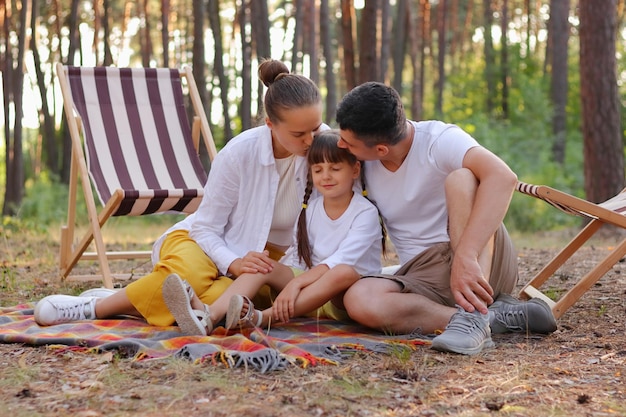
{"type": "Point", "coordinates": [302, 342]}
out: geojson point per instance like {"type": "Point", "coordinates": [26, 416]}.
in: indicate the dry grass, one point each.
{"type": "Point", "coordinates": [579, 370]}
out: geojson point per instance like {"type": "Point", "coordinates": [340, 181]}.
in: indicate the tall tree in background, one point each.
{"type": "Point", "coordinates": [312, 39]}
{"type": "Point", "coordinates": [70, 60]}
{"type": "Point", "coordinates": [13, 87]}
{"type": "Point", "coordinates": [368, 33]}
{"type": "Point", "coordinates": [384, 42]}
{"type": "Point", "coordinates": [48, 134]}
{"type": "Point", "coordinates": [401, 35]}
{"type": "Point", "coordinates": [245, 107]}
{"type": "Point", "coordinates": [260, 27]}
{"type": "Point", "coordinates": [602, 136]}
{"type": "Point", "coordinates": [490, 57]}
{"type": "Point", "coordinates": [504, 58]}
{"type": "Point", "coordinates": [558, 35]}
{"type": "Point", "coordinates": [165, 31]}
{"type": "Point", "coordinates": [218, 64]}
{"type": "Point", "coordinates": [441, 55]}
{"type": "Point", "coordinates": [347, 38]}
{"type": "Point", "coordinates": [106, 36]}
{"type": "Point", "coordinates": [329, 61]}
{"type": "Point", "coordinates": [296, 50]}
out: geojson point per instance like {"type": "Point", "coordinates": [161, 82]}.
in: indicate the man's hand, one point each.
{"type": "Point", "coordinates": [469, 287]}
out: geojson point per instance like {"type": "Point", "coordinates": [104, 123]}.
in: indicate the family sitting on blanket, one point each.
{"type": "Point", "coordinates": [439, 192]}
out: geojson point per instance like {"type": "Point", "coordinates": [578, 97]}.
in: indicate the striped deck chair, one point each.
{"type": "Point", "coordinates": [610, 212]}
{"type": "Point", "coordinates": [132, 138]}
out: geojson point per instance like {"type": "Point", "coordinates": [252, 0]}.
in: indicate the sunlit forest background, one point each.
{"type": "Point", "coordinates": [511, 72]}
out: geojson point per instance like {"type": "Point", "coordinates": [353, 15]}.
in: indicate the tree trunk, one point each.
{"type": "Point", "coordinates": [106, 39]}
{"type": "Point", "coordinates": [414, 24]}
{"type": "Point", "coordinates": [385, 41]}
{"type": "Point", "coordinates": [312, 40]}
{"type": "Point", "coordinates": [602, 136]}
{"type": "Point", "coordinates": [246, 76]}
{"type": "Point", "coordinates": [441, 55]}
{"type": "Point", "coordinates": [95, 46]}
{"type": "Point", "coordinates": [558, 26]}
{"type": "Point", "coordinates": [296, 53]}
{"type": "Point", "coordinates": [349, 69]}
{"type": "Point", "coordinates": [401, 36]}
{"type": "Point", "coordinates": [218, 64]}
{"type": "Point", "coordinates": [48, 133]}
{"type": "Point", "coordinates": [199, 67]}
{"type": "Point", "coordinates": [490, 60]}
{"type": "Point", "coordinates": [261, 40]}
{"type": "Point", "coordinates": [368, 54]}
{"type": "Point", "coordinates": [466, 33]}
{"type": "Point", "coordinates": [504, 59]}
{"type": "Point", "coordinates": [146, 50]}
{"type": "Point", "coordinates": [329, 61]}
{"type": "Point", "coordinates": [14, 152]}
{"type": "Point", "coordinates": [165, 31]}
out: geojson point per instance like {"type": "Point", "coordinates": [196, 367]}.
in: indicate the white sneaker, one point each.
{"type": "Point", "coordinates": [98, 292]}
{"type": "Point", "coordinates": [56, 309]}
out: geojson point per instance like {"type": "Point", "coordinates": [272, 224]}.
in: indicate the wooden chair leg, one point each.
{"type": "Point", "coordinates": [532, 287]}
{"type": "Point", "coordinates": [585, 283]}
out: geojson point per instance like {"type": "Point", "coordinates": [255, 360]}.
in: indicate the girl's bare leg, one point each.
{"type": "Point", "coordinates": [331, 286]}
{"type": "Point", "coordinates": [248, 285]}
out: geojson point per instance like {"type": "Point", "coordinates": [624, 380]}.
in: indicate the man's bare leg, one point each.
{"type": "Point", "coordinates": [461, 186]}
{"type": "Point", "coordinates": [379, 304]}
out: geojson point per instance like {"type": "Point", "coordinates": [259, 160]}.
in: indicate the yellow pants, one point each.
{"type": "Point", "coordinates": [181, 255]}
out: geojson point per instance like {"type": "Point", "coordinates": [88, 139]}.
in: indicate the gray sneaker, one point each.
{"type": "Point", "coordinates": [508, 314]}
{"type": "Point", "coordinates": [466, 333]}
{"type": "Point", "coordinates": [56, 309]}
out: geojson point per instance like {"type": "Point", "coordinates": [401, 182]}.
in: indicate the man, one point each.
{"type": "Point", "coordinates": [443, 198]}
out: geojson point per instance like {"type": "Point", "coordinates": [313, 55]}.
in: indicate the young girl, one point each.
{"type": "Point", "coordinates": [246, 219]}
{"type": "Point", "coordinates": [338, 237]}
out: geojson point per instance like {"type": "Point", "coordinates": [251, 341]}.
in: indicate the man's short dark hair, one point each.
{"type": "Point", "coordinates": [374, 113]}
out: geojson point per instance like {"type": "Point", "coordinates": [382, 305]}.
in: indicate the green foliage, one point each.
{"type": "Point", "coordinates": [524, 140]}
{"type": "Point", "coordinates": [45, 201]}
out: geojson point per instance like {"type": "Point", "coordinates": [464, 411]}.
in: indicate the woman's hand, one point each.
{"type": "Point", "coordinates": [252, 263]}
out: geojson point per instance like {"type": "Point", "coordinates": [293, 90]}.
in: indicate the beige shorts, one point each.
{"type": "Point", "coordinates": [428, 273]}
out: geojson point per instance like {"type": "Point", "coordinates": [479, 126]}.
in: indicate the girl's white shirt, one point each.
{"type": "Point", "coordinates": [412, 199]}
{"type": "Point", "coordinates": [355, 238]}
{"type": "Point", "coordinates": [236, 211]}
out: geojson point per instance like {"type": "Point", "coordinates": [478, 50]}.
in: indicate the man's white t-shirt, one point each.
{"type": "Point", "coordinates": [412, 199]}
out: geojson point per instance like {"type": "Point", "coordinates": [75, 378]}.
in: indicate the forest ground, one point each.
{"type": "Point", "coordinates": [576, 371]}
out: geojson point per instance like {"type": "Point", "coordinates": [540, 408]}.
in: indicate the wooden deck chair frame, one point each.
{"type": "Point", "coordinates": [610, 212]}
{"type": "Point", "coordinates": [118, 203]}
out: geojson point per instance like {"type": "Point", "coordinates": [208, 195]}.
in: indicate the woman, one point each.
{"type": "Point", "coordinates": [251, 202]}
